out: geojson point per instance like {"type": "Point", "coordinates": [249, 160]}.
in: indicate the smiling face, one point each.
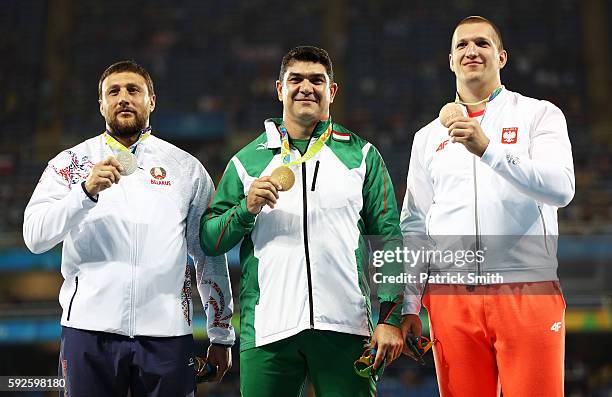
{"type": "Point", "coordinates": [125, 103]}
{"type": "Point", "coordinates": [306, 92]}
{"type": "Point", "coordinates": [475, 57]}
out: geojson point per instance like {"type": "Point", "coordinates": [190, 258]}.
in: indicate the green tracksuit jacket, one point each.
{"type": "Point", "coordinates": [304, 263]}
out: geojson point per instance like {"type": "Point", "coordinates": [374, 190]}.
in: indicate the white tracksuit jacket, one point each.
{"type": "Point", "coordinates": [453, 198]}
{"type": "Point", "coordinates": [124, 258]}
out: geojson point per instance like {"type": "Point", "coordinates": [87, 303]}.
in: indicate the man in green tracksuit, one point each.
{"type": "Point", "coordinates": [304, 294]}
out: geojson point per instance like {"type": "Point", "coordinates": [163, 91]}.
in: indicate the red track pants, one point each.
{"type": "Point", "coordinates": [508, 336]}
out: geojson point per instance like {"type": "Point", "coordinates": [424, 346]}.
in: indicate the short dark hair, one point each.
{"type": "Point", "coordinates": [307, 54]}
{"type": "Point", "coordinates": [126, 66]}
{"type": "Point", "coordinates": [478, 19]}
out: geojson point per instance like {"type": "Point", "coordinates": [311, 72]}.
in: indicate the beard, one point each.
{"type": "Point", "coordinates": [127, 128]}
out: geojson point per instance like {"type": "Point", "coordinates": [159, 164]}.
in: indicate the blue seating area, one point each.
{"type": "Point", "coordinates": [214, 65]}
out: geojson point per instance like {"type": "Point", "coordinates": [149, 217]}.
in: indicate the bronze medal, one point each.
{"type": "Point", "coordinates": [449, 112]}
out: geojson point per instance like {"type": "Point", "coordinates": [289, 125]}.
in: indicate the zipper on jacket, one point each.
{"type": "Point", "coordinates": [132, 291]}
{"type": "Point", "coordinates": [76, 288]}
{"type": "Point", "coordinates": [314, 178]}
{"type": "Point", "coordinates": [428, 220]}
{"type": "Point", "coordinates": [477, 229]}
{"type": "Point", "coordinates": [544, 227]}
{"type": "Point", "coordinates": [305, 207]}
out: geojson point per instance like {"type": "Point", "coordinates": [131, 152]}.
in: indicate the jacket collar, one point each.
{"type": "Point", "coordinates": [500, 99]}
{"type": "Point", "coordinates": [273, 135]}
{"type": "Point", "coordinates": [113, 143]}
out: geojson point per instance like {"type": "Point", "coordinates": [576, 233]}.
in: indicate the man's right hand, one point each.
{"type": "Point", "coordinates": [103, 175]}
{"type": "Point", "coordinates": [411, 324]}
{"type": "Point", "coordinates": [262, 192]}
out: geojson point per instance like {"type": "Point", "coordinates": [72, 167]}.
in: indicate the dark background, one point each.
{"type": "Point", "coordinates": [214, 64]}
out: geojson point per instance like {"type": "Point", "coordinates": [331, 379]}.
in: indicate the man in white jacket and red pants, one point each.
{"type": "Point", "coordinates": [490, 182]}
{"type": "Point", "coordinates": [126, 297]}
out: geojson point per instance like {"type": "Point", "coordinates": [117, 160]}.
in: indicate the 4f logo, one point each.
{"type": "Point", "coordinates": [442, 145]}
{"type": "Point", "coordinates": [556, 326]}
{"type": "Point", "coordinates": [509, 135]}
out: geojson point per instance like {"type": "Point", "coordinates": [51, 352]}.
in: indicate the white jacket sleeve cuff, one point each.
{"type": "Point", "coordinates": [492, 154]}
{"type": "Point", "coordinates": [412, 304]}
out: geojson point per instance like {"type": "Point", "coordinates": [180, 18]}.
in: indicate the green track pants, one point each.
{"type": "Point", "coordinates": [325, 357]}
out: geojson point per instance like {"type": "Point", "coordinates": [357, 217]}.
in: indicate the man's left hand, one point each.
{"type": "Point", "coordinates": [387, 340]}
{"type": "Point", "coordinates": [221, 357]}
{"type": "Point", "coordinates": [468, 132]}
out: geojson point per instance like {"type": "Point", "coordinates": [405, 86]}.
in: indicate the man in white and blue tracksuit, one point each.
{"type": "Point", "coordinates": [126, 297]}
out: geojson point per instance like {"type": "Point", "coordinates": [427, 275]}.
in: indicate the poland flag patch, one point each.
{"type": "Point", "coordinates": [509, 135]}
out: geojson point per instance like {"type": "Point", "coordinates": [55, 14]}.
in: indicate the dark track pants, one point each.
{"type": "Point", "coordinates": [107, 365]}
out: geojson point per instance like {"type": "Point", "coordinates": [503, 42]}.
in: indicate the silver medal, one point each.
{"type": "Point", "coordinates": [128, 161]}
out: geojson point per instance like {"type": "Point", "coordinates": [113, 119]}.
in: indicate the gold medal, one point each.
{"type": "Point", "coordinates": [283, 174]}
{"type": "Point", "coordinates": [284, 177]}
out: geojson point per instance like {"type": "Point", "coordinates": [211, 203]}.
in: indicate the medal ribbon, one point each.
{"type": "Point", "coordinates": [310, 153]}
{"type": "Point", "coordinates": [489, 99]}
{"type": "Point", "coordinates": [116, 145]}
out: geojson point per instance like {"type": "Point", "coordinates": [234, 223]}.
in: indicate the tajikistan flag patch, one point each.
{"type": "Point", "coordinates": [341, 136]}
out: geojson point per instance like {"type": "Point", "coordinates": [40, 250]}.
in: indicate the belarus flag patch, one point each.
{"type": "Point", "coordinates": [341, 136]}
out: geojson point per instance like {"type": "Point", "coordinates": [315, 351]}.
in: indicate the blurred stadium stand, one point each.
{"type": "Point", "coordinates": [214, 64]}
